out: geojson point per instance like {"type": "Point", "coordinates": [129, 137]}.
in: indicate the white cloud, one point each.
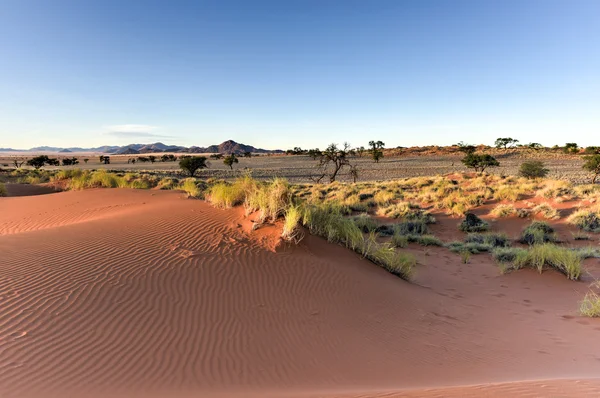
{"type": "Point", "coordinates": [133, 130]}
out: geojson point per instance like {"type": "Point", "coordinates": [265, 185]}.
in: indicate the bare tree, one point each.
{"type": "Point", "coordinates": [332, 157]}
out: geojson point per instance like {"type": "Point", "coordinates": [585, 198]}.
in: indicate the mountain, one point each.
{"type": "Point", "coordinates": [226, 147]}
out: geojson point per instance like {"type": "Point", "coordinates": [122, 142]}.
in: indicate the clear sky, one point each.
{"type": "Point", "coordinates": [278, 74]}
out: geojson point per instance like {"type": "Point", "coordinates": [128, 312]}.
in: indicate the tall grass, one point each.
{"type": "Point", "coordinates": [586, 219]}
{"type": "Point", "coordinates": [590, 305]}
{"type": "Point", "coordinates": [190, 187]}
{"type": "Point", "coordinates": [291, 228]}
{"type": "Point", "coordinates": [225, 195]}
{"type": "Point", "coordinates": [547, 255]}
{"type": "Point", "coordinates": [3, 191]}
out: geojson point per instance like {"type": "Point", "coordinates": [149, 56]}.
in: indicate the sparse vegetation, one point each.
{"type": "Point", "coordinates": [590, 305]}
{"type": "Point", "coordinates": [3, 191]}
{"type": "Point", "coordinates": [586, 219]}
{"type": "Point", "coordinates": [479, 162]}
{"type": "Point", "coordinates": [538, 232]}
{"type": "Point", "coordinates": [592, 164]}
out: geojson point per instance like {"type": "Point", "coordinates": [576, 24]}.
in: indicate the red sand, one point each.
{"type": "Point", "coordinates": [145, 293]}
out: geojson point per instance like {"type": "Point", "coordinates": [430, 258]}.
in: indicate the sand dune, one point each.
{"type": "Point", "coordinates": [143, 293]}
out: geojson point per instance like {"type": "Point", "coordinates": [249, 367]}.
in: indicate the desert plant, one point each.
{"type": "Point", "coordinates": [465, 256]}
{"type": "Point", "coordinates": [3, 191]}
{"type": "Point", "coordinates": [546, 211]}
{"type": "Point", "coordinates": [226, 195]}
{"type": "Point", "coordinates": [472, 223]}
{"type": "Point", "coordinates": [586, 219]}
{"type": "Point", "coordinates": [590, 305]}
{"type": "Point", "coordinates": [479, 162]}
{"type": "Point", "coordinates": [291, 225]}
{"type": "Point", "coordinates": [376, 150]}
{"type": "Point", "coordinates": [411, 227]}
{"type": "Point", "coordinates": [592, 164]}
{"type": "Point", "coordinates": [192, 164]}
{"type": "Point", "coordinates": [365, 223]}
{"type": "Point", "coordinates": [507, 254]}
{"type": "Point", "coordinates": [335, 157]}
{"type": "Point", "coordinates": [538, 232]}
{"type": "Point", "coordinates": [505, 143]}
{"type": "Point", "coordinates": [38, 162]}
{"type": "Point", "coordinates": [571, 147]}
{"type": "Point", "coordinates": [546, 255]}
{"type": "Point", "coordinates": [492, 239]}
{"type": "Point", "coordinates": [231, 160]}
{"type": "Point", "coordinates": [533, 169]}
{"type": "Point", "coordinates": [190, 187]}
{"type": "Point", "coordinates": [503, 210]}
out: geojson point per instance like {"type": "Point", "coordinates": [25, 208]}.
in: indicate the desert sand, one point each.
{"type": "Point", "coordinates": [132, 293]}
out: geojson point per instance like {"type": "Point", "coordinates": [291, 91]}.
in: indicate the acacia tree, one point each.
{"type": "Point", "coordinates": [38, 161]}
{"type": "Point", "coordinates": [480, 162]}
{"type": "Point", "coordinates": [376, 150]}
{"type": "Point", "coordinates": [592, 164]}
{"type": "Point", "coordinates": [505, 143]}
{"type": "Point", "coordinates": [314, 153]}
{"type": "Point", "coordinates": [231, 160]}
{"type": "Point", "coordinates": [335, 157]}
{"type": "Point", "coordinates": [360, 151]}
{"type": "Point", "coordinates": [571, 147]}
{"type": "Point", "coordinates": [191, 164]}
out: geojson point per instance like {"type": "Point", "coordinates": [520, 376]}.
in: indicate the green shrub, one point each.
{"type": "Point", "coordinates": [586, 219]}
{"type": "Point", "coordinates": [507, 254]}
{"type": "Point", "coordinates": [472, 223]}
{"type": "Point", "coordinates": [411, 228]}
{"type": "Point", "coordinates": [3, 191]}
{"type": "Point", "coordinates": [538, 232]}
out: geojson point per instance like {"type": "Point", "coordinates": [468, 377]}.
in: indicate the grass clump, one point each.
{"type": "Point", "coordinates": [472, 223]}
{"type": "Point", "coordinates": [411, 227]}
{"type": "Point", "coordinates": [291, 225]}
{"type": "Point", "coordinates": [226, 195]}
{"type": "Point", "coordinates": [365, 223]}
{"type": "Point", "coordinates": [190, 187]}
{"type": "Point", "coordinates": [399, 240]}
{"type": "Point", "coordinates": [538, 232]}
{"type": "Point", "coordinates": [506, 255]}
{"type": "Point", "coordinates": [503, 210]}
{"type": "Point", "coordinates": [3, 191]}
{"type": "Point", "coordinates": [271, 200]}
{"type": "Point", "coordinates": [586, 219]}
{"type": "Point", "coordinates": [590, 305]}
{"type": "Point", "coordinates": [548, 255]}
{"type": "Point", "coordinates": [546, 211]}
{"type": "Point", "coordinates": [168, 183]}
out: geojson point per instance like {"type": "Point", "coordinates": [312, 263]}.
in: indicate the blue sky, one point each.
{"type": "Point", "coordinates": [278, 74]}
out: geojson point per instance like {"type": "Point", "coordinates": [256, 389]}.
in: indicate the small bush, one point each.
{"type": "Point", "coordinates": [400, 240]}
{"type": "Point", "coordinates": [411, 228]}
{"type": "Point", "coordinates": [472, 223]}
{"type": "Point", "coordinates": [471, 247]}
{"type": "Point", "coordinates": [3, 191]}
{"type": "Point", "coordinates": [533, 169]}
{"type": "Point", "coordinates": [507, 254]}
{"type": "Point", "coordinates": [590, 305]}
{"type": "Point", "coordinates": [538, 232]}
{"type": "Point", "coordinates": [586, 219]}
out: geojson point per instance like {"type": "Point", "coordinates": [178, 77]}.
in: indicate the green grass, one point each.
{"type": "Point", "coordinates": [417, 227]}
{"type": "Point", "coordinates": [365, 223]}
{"type": "Point", "coordinates": [548, 255]}
{"type": "Point", "coordinates": [226, 195]}
{"type": "Point", "coordinates": [399, 240]}
{"type": "Point", "coordinates": [3, 191]}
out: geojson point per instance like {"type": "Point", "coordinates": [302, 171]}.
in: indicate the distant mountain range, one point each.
{"type": "Point", "coordinates": [226, 147]}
